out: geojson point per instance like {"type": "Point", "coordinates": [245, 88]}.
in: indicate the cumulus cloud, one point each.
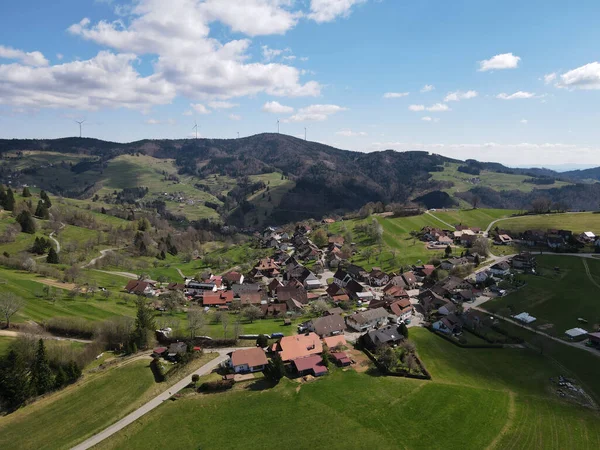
{"type": "Point", "coordinates": [430, 119]}
{"type": "Point", "coordinates": [516, 96]}
{"type": "Point", "coordinates": [524, 121]}
{"type": "Point", "coordinates": [416, 107]}
{"type": "Point", "coordinates": [460, 95]}
{"type": "Point", "coordinates": [395, 94]}
{"type": "Point", "coordinates": [315, 113]}
{"type": "Point", "coordinates": [498, 62]}
{"type": "Point", "coordinates": [277, 108]}
{"type": "Point", "coordinates": [550, 77]}
{"type": "Point", "coordinates": [34, 59]}
{"type": "Point", "coordinates": [428, 88]}
{"type": "Point", "coordinates": [222, 105]}
{"type": "Point", "coordinates": [200, 108]}
{"type": "Point", "coordinates": [438, 107]}
{"type": "Point", "coordinates": [350, 133]}
{"type": "Point", "coordinates": [328, 10]}
{"type": "Point", "coordinates": [585, 77]}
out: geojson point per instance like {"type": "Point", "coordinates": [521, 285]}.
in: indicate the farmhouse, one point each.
{"type": "Point", "coordinates": [451, 263]}
{"type": "Point", "coordinates": [221, 298]}
{"type": "Point", "coordinates": [298, 346]}
{"type": "Point", "coordinates": [233, 278]}
{"type": "Point", "coordinates": [199, 288]}
{"type": "Point", "coordinates": [294, 289]}
{"type": "Point", "coordinates": [409, 279]}
{"type": "Point", "coordinates": [139, 287]}
{"type": "Point", "coordinates": [500, 269]}
{"type": "Point", "coordinates": [327, 325]}
{"type": "Point", "coordinates": [402, 309]}
{"type": "Point", "coordinates": [385, 336]}
{"type": "Point", "coordinates": [248, 360]}
{"type": "Point", "coordinates": [448, 324]}
{"type": "Point", "coordinates": [377, 277]}
{"type": "Point", "coordinates": [372, 318]}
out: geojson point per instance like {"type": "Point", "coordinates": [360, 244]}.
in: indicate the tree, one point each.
{"type": "Point", "coordinates": [39, 246]}
{"type": "Point", "coordinates": [481, 246]}
{"type": "Point", "coordinates": [319, 307]}
{"type": "Point", "coordinates": [326, 355]}
{"type": "Point", "coordinates": [367, 253]}
{"type": "Point", "coordinates": [144, 224]}
{"type": "Point", "coordinates": [403, 329]}
{"type": "Point", "coordinates": [60, 379]}
{"type": "Point", "coordinates": [237, 328]}
{"type": "Point", "coordinates": [26, 221]}
{"type": "Point", "coordinates": [251, 313]}
{"type": "Point", "coordinates": [475, 201]}
{"type": "Point", "coordinates": [14, 380]}
{"type": "Point", "coordinates": [144, 324]}
{"type": "Point", "coordinates": [26, 192]}
{"type": "Point", "coordinates": [9, 201]}
{"type": "Point", "coordinates": [411, 363]}
{"type": "Point", "coordinates": [46, 199]}
{"type": "Point", "coordinates": [276, 369]}
{"type": "Point", "coordinates": [541, 205]}
{"type": "Point", "coordinates": [196, 322]}
{"type": "Point", "coordinates": [195, 378]}
{"type": "Point", "coordinates": [52, 257]}
{"type": "Point", "coordinates": [225, 324]}
{"type": "Point", "coordinates": [42, 211]}
{"type": "Point", "coordinates": [41, 374]}
{"type": "Point", "coordinates": [262, 341]}
{"type": "Point", "coordinates": [10, 304]}
{"type": "Point", "coordinates": [319, 238]}
{"type": "Point", "coordinates": [448, 251]}
{"type": "Point", "coordinates": [387, 357]}
{"type": "Point", "coordinates": [173, 300]}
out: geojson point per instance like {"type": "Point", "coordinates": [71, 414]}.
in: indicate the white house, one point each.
{"type": "Point", "coordinates": [481, 277]}
{"type": "Point", "coordinates": [373, 318]}
{"type": "Point", "coordinates": [500, 269]}
{"type": "Point", "coordinates": [248, 360]}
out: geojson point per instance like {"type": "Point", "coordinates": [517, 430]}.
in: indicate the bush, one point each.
{"type": "Point", "coordinates": [195, 378]}
{"type": "Point", "coordinates": [70, 326]}
{"type": "Point", "coordinates": [216, 386]}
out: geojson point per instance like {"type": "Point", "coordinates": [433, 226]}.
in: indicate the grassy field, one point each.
{"type": "Point", "coordinates": [576, 222]}
{"type": "Point", "coordinates": [480, 218]}
{"type": "Point", "coordinates": [475, 400]}
{"type": "Point", "coordinates": [497, 181]}
{"type": "Point", "coordinates": [277, 188]}
{"type": "Point", "coordinates": [557, 298]}
{"type": "Point", "coordinates": [5, 342]}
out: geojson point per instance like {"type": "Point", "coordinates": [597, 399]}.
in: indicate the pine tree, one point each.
{"type": "Point", "coordinates": [46, 199]}
{"type": "Point", "coordinates": [42, 210]}
{"type": "Point", "coordinates": [26, 221]}
{"type": "Point", "coordinates": [73, 372]}
{"type": "Point", "coordinates": [2, 195]}
{"type": "Point", "coordinates": [9, 203]}
{"type": "Point", "coordinates": [41, 374]}
{"type": "Point", "coordinates": [26, 192]}
{"type": "Point", "coordinates": [14, 386]}
{"type": "Point", "coordinates": [52, 257]}
{"type": "Point", "coordinates": [403, 329]}
{"type": "Point", "coordinates": [61, 378]}
{"type": "Point", "coordinates": [144, 324]}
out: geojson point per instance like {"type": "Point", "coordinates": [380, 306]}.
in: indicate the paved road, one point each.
{"type": "Point", "coordinates": [155, 402]}
{"type": "Point", "coordinates": [10, 333]}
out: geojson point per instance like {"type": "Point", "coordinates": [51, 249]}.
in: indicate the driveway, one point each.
{"type": "Point", "coordinates": [155, 402]}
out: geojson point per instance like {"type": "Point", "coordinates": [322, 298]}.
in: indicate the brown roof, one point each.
{"type": "Point", "coordinates": [400, 307]}
{"type": "Point", "coordinates": [267, 264]}
{"type": "Point", "coordinates": [299, 346]}
{"type": "Point", "coordinates": [335, 341]}
{"type": "Point", "coordinates": [252, 357]}
{"type": "Point", "coordinates": [217, 298]}
{"type": "Point", "coordinates": [336, 240]}
{"type": "Point", "coordinates": [341, 357]}
{"type": "Point", "coordinates": [314, 363]}
{"type": "Point", "coordinates": [137, 286]}
{"type": "Point", "coordinates": [409, 277]}
{"type": "Point", "coordinates": [250, 298]}
{"type": "Point", "coordinates": [328, 324]}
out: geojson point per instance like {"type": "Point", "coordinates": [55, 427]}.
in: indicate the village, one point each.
{"type": "Point", "coordinates": [348, 307]}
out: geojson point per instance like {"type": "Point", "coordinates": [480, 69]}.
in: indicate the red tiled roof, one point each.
{"type": "Point", "coordinates": [314, 363]}
{"type": "Point", "coordinates": [252, 357]}
{"type": "Point", "coordinates": [217, 298]}
{"type": "Point", "coordinates": [341, 357]}
{"type": "Point", "coordinates": [299, 346]}
{"type": "Point", "coordinates": [335, 341]}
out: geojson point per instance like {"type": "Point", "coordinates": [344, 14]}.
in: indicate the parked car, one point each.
{"type": "Point", "coordinates": [276, 335]}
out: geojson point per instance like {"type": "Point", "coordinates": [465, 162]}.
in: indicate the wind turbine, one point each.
{"type": "Point", "coordinates": [195, 127]}
{"type": "Point", "coordinates": [238, 134]}
{"type": "Point", "coordinates": [304, 133]}
{"type": "Point", "coordinates": [80, 122]}
{"type": "Point", "coordinates": [277, 126]}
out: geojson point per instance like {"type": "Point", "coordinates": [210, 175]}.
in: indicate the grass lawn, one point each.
{"type": "Point", "coordinates": [476, 398]}
{"type": "Point", "coordinates": [479, 218]}
{"type": "Point", "coordinates": [557, 298]}
{"type": "Point", "coordinates": [576, 222]}
{"type": "Point", "coordinates": [74, 414]}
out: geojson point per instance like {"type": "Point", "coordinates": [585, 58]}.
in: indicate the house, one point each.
{"type": "Point", "coordinates": [402, 309]}
{"type": "Point", "coordinates": [310, 365]}
{"type": "Point", "coordinates": [341, 359]}
{"type": "Point", "coordinates": [199, 288]}
{"type": "Point", "coordinates": [176, 349]}
{"type": "Point", "coordinates": [139, 287]}
{"type": "Point", "coordinates": [447, 309]}
{"type": "Point", "coordinates": [450, 324]}
{"type": "Point", "coordinates": [248, 360]}
{"type": "Point", "coordinates": [357, 272]}
{"type": "Point", "coordinates": [363, 321]}
{"type": "Point", "coordinates": [356, 291]}
{"type": "Point", "coordinates": [159, 351]}
{"type": "Point", "coordinates": [341, 278]}
{"type": "Point", "coordinates": [176, 286]}
{"type": "Point", "coordinates": [327, 325]}
{"type": "Point", "coordinates": [396, 281]}
{"type": "Point", "coordinates": [222, 298]}
{"type": "Point", "coordinates": [524, 261]}
{"type": "Point", "coordinates": [576, 333]}
{"type": "Point", "coordinates": [293, 289]}
{"type": "Point", "coordinates": [587, 236]}
{"type": "Point", "coordinates": [274, 309]}
{"type": "Point", "coordinates": [311, 281]}
{"type": "Point", "coordinates": [337, 240]}
{"type": "Point", "coordinates": [336, 293]}
{"type": "Point", "coordinates": [293, 305]}
{"type": "Point", "coordinates": [482, 276]}
{"type": "Point", "coordinates": [500, 269]}
{"type": "Point", "coordinates": [273, 286]}
{"type": "Point", "coordinates": [410, 279]}
{"type": "Point", "coordinates": [333, 311]}
{"type": "Point", "coordinates": [298, 346]}
{"type": "Point", "coordinates": [430, 301]}
{"type": "Point", "coordinates": [377, 277]}
{"type": "Point", "coordinates": [238, 289]}
{"type": "Point", "coordinates": [389, 335]}
{"type": "Point", "coordinates": [233, 278]}
{"type": "Point", "coordinates": [465, 295]}
{"type": "Point", "coordinates": [395, 292]}
{"type": "Point", "coordinates": [268, 267]}
{"type": "Point", "coordinates": [445, 240]}
{"type": "Point", "coordinates": [423, 271]}
{"type": "Point", "coordinates": [328, 221]}
{"type": "Point", "coordinates": [336, 341]}
{"type": "Point", "coordinates": [451, 263]}
{"type": "Point", "coordinates": [252, 298]}
{"type": "Point", "coordinates": [503, 239]}
{"type": "Point", "coordinates": [525, 318]}
{"type": "Point", "coordinates": [534, 237]}
{"type": "Point", "coordinates": [555, 241]}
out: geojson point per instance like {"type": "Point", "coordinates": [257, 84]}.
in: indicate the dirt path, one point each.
{"type": "Point", "coordinates": [440, 220]}
{"type": "Point", "coordinates": [589, 273]}
{"type": "Point", "coordinates": [10, 333]}
{"type": "Point", "coordinates": [53, 239]}
{"type": "Point", "coordinates": [131, 276]}
{"type": "Point", "coordinates": [103, 253]}
{"type": "Point", "coordinates": [154, 403]}
{"type": "Point", "coordinates": [512, 412]}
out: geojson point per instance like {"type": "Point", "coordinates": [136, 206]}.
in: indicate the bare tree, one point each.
{"type": "Point", "coordinates": [196, 321]}
{"type": "Point", "coordinates": [225, 324]}
{"type": "Point", "coordinates": [251, 313]}
{"type": "Point", "coordinates": [10, 304]}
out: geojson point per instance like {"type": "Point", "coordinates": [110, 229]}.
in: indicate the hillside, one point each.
{"type": "Point", "coordinates": [269, 178]}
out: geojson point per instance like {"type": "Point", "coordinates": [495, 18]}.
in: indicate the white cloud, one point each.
{"type": "Point", "coordinates": [416, 107]}
{"type": "Point", "coordinates": [200, 108]}
{"type": "Point", "coordinates": [585, 77]}
{"type": "Point", "coordinates": [277, 108]}
{"type": "Point", "coordinates": [350, 133]}
{"type": "Point", "coordinates": [160, 122]}
{"type": "Point", "coordinates": [524, 121]}
{"type": "Point", "coordinates": [152, 122]}
{"type": "Point", "coordinates": [222, 105]}
{"type": "Point", "coordinates": [498, 62]}
{"type": "Point", "coordinates": [328, 10]}
{"type": "Point", "coordinates": [428, 88]}
{"type": "Point", "coordinates": [516, 96]}
{"type": "Point", "coordinates": [460, 95]}
{"type": "Point", "coordinates": [438, 107]}
{"type": "Point", "coordinates": [187, 113]}
{"type": "Point", "coordinates": [28, 58]}
{"type": "Point", "coordinates": [60, 56]}
{"type": "Point", "coordinates": [270, 53]}
{"type": "Point", "coordinates": [550, 77]}
{"type": "Point", "coordinates": [430, 119]}
{"type": "Point", "coordinates": [235, 117]}
{"type": "Point", "coordinates": [395, 94]}
{"type": "Point", "coordinates": [315, 113]}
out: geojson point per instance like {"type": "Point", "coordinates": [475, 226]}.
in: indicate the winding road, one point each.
{"type": "Point", "coordinates": [53, 239]}
{"type": "Point", "coordinates": [155, 402]}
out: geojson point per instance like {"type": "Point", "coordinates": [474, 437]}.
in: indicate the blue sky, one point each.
{"type": "Point", "coordinates": [515, 82]}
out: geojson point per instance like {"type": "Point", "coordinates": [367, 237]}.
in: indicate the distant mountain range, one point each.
{"type": "Point", "coordinates": [326, 180]}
